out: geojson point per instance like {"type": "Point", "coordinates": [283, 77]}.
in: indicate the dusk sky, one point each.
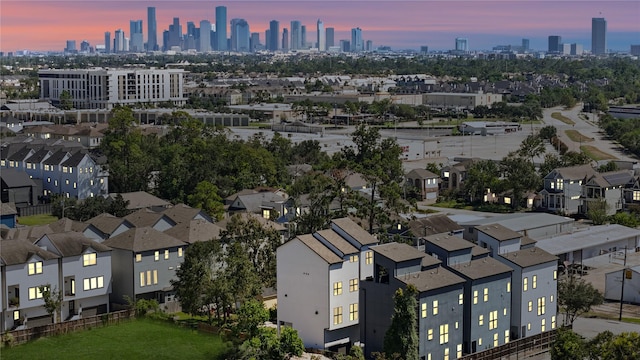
{"type": "Point", "coordinates": [47, 24]}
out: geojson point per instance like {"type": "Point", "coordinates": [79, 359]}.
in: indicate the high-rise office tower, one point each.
{"type": "Point", "coordinates": [118, 41]}
{"type": "Point", "coordinates": [136, 43]}
{"type": "Point", "coordinates": [303, 36]}
{"type": "Point", "coordinates": [462, 44]}
{"type": "Point", "coordinates": [345, 45]}
{"type": "Point", "coordinates": [285, 39]}
{"type": "Point", "coordinates": [71, 46]}
{"type": "Point", "coordinates": [267, 39]}
{"type": "Point", "coordinates": [356, 40]}
{"type": "Point", "coordinates": [107, 42]}
{"type": "Point", "coordinates": [221, 27]}
{"type": "Point", "coordinates": [369, 46]}
{"type": "Point", "coordinates": [85, 47]}
{"type": "Point", "coordinates": [321, 36]}
{"type": "Point", "coordinates": [424, 50]}
{"type": "Point", "coordinates": [555, 44]}
{"type": "Point", "coordinates": [152, 30]}
{"type": "Point", "coordinates": [274, 31]}
{"type": "Point", "coordinates": [525, 45]}
{"type": "Point", "coordinates": [254, 41]}
{"type": "Point", "coordinates": [175, 34]}
{"type": "Point", "coordinates": [296, 36]}
{"type": "Point", "coordinates": [240, 35]}
{"type": "Point", "coordinates": [330, 37]}
{"type": "Point", "coordinates": [576, 49]}
{"type": "Point", "coordinates": [598, 36]}
{"type": "Point", "coordinates": [165, 40]}
{"type": "Point", "coordinates": [205, 36]}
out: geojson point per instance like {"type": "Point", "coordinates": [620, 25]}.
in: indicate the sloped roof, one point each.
{"type": "Point", "coordinates": [15, 252]}
{"type": "Point", "coordinates": [105, 222]}
{"type": "Point", "coordinates": [74, 243]}
{"type": "Point", "coordinates": [481, 268]}
{"type": "Point", "coordinates": [15, 179]}
{"type": "Point", "coordinates": [253, 202]}
{"type": "Point", "coordinates": [74, 160]}
{"type": "Point", "coordinates": [143, 239]}
{"type": "Point", "coordinates": [431, 225]}
{"type": "Point", "coordinates": [8, 208]}
{"type": "Point", "coordinates": [432, 279]}
{"type": "Point", "coordinates": [317, 247]}
{"type": "Point", "coordinates": [66, 224]}
{"type": "Point", "coordinates": [575, 172]}
{"type": "Point", "coordinates": [498, 232]}
{"type": "Point", "coordinates": [21, 154]}
{"type": "Point", "coordinates": [140, 199]}
{"type": "Point", "coordinates": [530, 257]}
{"type": "Point", "coordinates": [246, 216]}
{"type": "Point", "coordinates": [353, 229]}
{"type": "Point", "coordinates": [181, 213]}
{"type": "Point", "coordinates": [143, 218]}
{"type": "Point", "coordinates": [195, 230]}
{"type": "Point", "coordinates": [38, 156]}
{"type": "Point", "coordinates": [448, 242]}
{"type": "Point", "coordinates": [421, 174]}
{"type": "Point", "coordinates": [399, 252]}
{"type": "Point", "coordinates": [56, 158]}
{"type": "Point", "coordinates": [338, 241]}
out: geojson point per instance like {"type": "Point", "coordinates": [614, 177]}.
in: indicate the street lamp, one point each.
{"type": "Point", "coordinates": [65, 207]}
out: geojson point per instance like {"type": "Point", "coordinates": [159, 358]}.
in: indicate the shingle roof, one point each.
{"type": "Point", "coordinates": [530, 257]}
{"type": "Point", "coordinates": [498, 232]}
{"type": "Point", "coordinates": [15, 252]}
{"type": "Point", "coordinates": [195, 230]}
{"type": "Point", "coordinates": [8, 208]}
{"type": "Point", "coordinates": [431, 225]}
{"type": "Point", "coordinates": [481, 268]}
{"type": "Point", "coordinates": [74, 243]}
{"type": "Point", "coordinates": [38, 156]}
{"type": "Point", "coordinates": [56, 158]}
{"type": "Point", "coordinates": [431, 279]}
{"type": "Point", "coordinates": [317, 247]}
{"type": "Point", "coordinates": [338, 241]}
{"type": "Point", "coordinates": [140, 199]}
{"type": "Point", "coordinates": [105, 222]}
{"type": "Point", "coordinates": [358, 233]}
{"type": "Point", "coordinates": [143, 239]}
{"type": "Point", "coordinates": [181, 213]}
{"type": "Point", "coordinates": [421, 174]}
{"type": "Point", "coordinates": [74, 160]}
{"type": "Point", "coordinates": [21, 154]}
{"type": "Point", "coordinates": [15, 179]}
{"type": "Point", "coordinates": [64, 225]}
{"type": "Point", "coordinates": [246, 216]}
{"type": "Point", "coordinates": [143, 218]}
{"type": "Point", "coordinates": [448, 242]}
{"type": "Point", "coordinates": [576, 172]}
{"type": "Point", "coordinates": [398, 252]}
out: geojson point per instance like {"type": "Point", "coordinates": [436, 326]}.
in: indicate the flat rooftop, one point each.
{"type": "Point", "coordinates": [589, 237]}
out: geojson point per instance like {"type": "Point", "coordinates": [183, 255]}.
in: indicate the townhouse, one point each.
{"type": "Point", "coordinates": [425, 182]}
{"type": "Point", "coordinates": [608, 187]}
{"type": "Point", "coordinates": [562, 189]}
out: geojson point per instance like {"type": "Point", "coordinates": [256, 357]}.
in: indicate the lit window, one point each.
{"type": "Point", "coordinates": [179, 252]}
{"type": "Point", "coordinates": [93, 283]}
{"type": "Point", "coordinates": [91, 182]}
{"type": "Point", "coordinates": [423, 310]}
{"type": "Point", "coordinates": [66, 181]}
{"type": "Point", "coordinates": [89, 259]}
{"type": "Point", "coordinates": [353, 258]}
{"type": "Point", "coordinates": [508, 286]}
{"type": "Point", "coordinates": [504, 311]}
{"type": "Point", "coordinates": [148, 277]}
{"type": "Point", "coordinates": [444, 334]}
{"type": "Point", "coordinates": [555, 274]}
{"type": "Point", "coordinates": [534, 282]}
{"type": "Point", "coordinates": [138, 257]}
{"type": "Point", "coordinates": [493, 320]}
{"type": "Point", "coordinates": [353, 312]}
{"type": "Point", "coordinates": [481, 320]}
{"type": "Point", "coordinates": [506, 336]}
{"type": "Point", "coordinates": [525, 284]}
{"type": "Point", "coordinates": [460, 299]}
{"type": "Point", "coordinates": [479, 341]}
{"type": "Point", "coordinates": [530, 307]}
{"type": "Point", "coordinates": [35, 293]}
{"type": "Point", "coordinates": [543, 325]}
{"type": "Point", "coordinates": [553, 322]}
{"type": "Point", "coordinates": [142, 279]}
{"type": "Point", "coordinates": [337, 315]}
{"type": "Point", "coordinates": [337, 288]}
{"type": "Point", "coordinates": [459, 351]}
{"type": "Point", "coordinates": [456, 325]}
{"type": "Point", "coordinates": [495, 340]}
{"type": "Point", "coordinates": [353, 285]}
{"type": "Point", "coordinates": [551, 298]}
{"type": "Point", "coordinates": [35, 268]}
{"type": "Point", "coordinates": [636, 195]}
{"type": "Point", "coordinates": [528, 326]}
{"type": "Point", "coordinates": [166, 254]}
{"type": "Point", "coordinates": [369, 257]}
{"type": "Point", "coordinates": [434, 308]}
{"type": "Point", "coordinates": [16, 315]}
{"type": "Point", "coordinates": [541, 306]}
{"type": "Point", "coordinates": [430, 334]}
{"type": "Point", "coordinates": [156, 256]}
{"type": "Point", "coordinates": [475, 296]}
{"type": "Point", "coordinates": [155, 277]}
{"type": "Point", "coordinates": [486, 294]}
{"type": "Point", "coordinates": [75, 185]}
{"type": "Point", "coordinates": [446, 353]}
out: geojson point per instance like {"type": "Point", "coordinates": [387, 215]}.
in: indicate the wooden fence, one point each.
{"type": "Point", "coordinates": [34, 210]}
{"type": "Point", "coordinates": [517, 349]}
{"type": "Point", "coordinates": [25, 335]}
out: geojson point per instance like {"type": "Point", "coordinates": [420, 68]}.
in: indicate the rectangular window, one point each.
{"type": "Point", "coordinates": [430, 334]}
{"type": "Point", "coordinates": [353, 285]}
{"type": "Point", "coordinates": [459, 351]}
{"type": "Point", "coordinates": [138, 257]}
{"type": "Point", "coordinates": [506, 336]}
{"type": "Point", "coordinates": [460, 299]}
{"type": "Point", "coordinates": [35, 268]}
{"type": "Point", "coordinates": [555, 274]}
{"type": "Point", "coordinates": [16, 315]}
{"type": "Point", "coordinates": [541, 306]}
{"type": "Point", "coordinates": [481, 320]}
{"type": "Point", "coordinates": [155, 277]}
{"type": "Point", "coordinates": [353, 258]}
{"type": "Point", "coordinates": [475, 297]}
{"type": "Point", "coordinates": [504, 312]}
{"type": "Point", "coordinates": [528, 326]}
{"type": "Point", "coordinates": [486, 295]}
{"type": "Point", "coordinates": [337, 315]}
{"type": "Point", "coordinates": [337, 288]}
{"type": "Point", "coordinates": [446, 353]}
{"type": "Point", "coordinates": [508, 286]}
{"type": "Point", "coordinates": [156, 256]}
{"type": "Point", "coordinates": [543, 325]}
{"type": "Point", "coordinates": [353, 312]}
{"type": "Point", "coordinates": [369, 257]}
{"type": "Point", "coordinates": [179, 252]}
{"type": "Point", "coordinates": [66, 182]}
{"type": "Point", "coordinates": [166, 254]}
{"type": "Point", "coordinates": [423, 309]}
{"type": "Point", "coordinates": [493, 319]}
{"type": "Point", "coordinates": [525, 284]}
{"type": "Point", "coordinates": [89, 259]}
{"type": "Point", "coordinates": [530, 307]}
{"type": "Point", "coordinates": [141, 278]}
{"type": "Point", "coordinates": [495, 340]}
{"type": "Point", "coordinates": [148, 277]}
{"type": "Point", "coordinates": [534, 282]}
{"type": "Point", "coordinates": [434, 308]}
{"type": "Point", "coordinates": [553, 322]}
{"type": "Point", "coordinates": [93, 283]}
{"type": "Point", "coordinates": [636, 195]}
{"type": "Point", "coordinates": [479, 341]}
{"type": "Point", "coordinates": [35, 293]}
{"type": "Point", "coordinates": [456, 325]}
{"type": "Point", "coordinates": [444, 334]}
{"type": "Point", "coordinates": [75, 185]}
{"type": "Point", "coordinates": [551, 298]}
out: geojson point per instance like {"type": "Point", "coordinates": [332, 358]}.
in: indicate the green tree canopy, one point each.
{"type": "Point", "coordinates": [576, 297]}
{"type": "Point", "coordinates": [402, 337]}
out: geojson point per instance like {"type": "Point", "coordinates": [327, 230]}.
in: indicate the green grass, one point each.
{"type": "Point", "coordinates": [575, 136]}
{"type": "Point", "coordinates": [36, 220]}
{"type": "Point", "coordinates": [136, 339]}
{"type": "Point", "coordinates": [558, 116]}
{"type": "Point", "coordinates": [452, 204]}
{"type": "Point", "coordinates": [596, 154]}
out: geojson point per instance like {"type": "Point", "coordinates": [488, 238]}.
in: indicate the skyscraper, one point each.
{"type": "Point", "coordinates": [555, 44]}
{"type": "Point", "coordinates": [118, 41]}
{"type": "Point", "coordinates": [267, 39]}
{"type": "Point", "coordinates": [175, 34]}
{"type": "Point", "coordinates": [525, 45]}
{"type": "Point", "coordinates": [598, 36]}
{"type": "Point", "coordinates": [240, 35]}
{"type": "Point", "coordinates": [205, 36]}
{"type": "Point", "coordinates": [136, 43]}
{"type": "Point", "coordinates": [221, 27]}
{"type": "Point", "coordinates": [303, 36]}
{"type": "Point", "coordinates": [321, 36]}
{"type": "Point", "coordinates": [296, 36]}
{"type": "Point", "coordinates": [107, 42]}
{"type": "Point", "coordinates": [330, 37]}
{"type": "Point", "coordinates": [356, 40]}
{"type": "Point", "coordinates": [274, 32]}
{"type": "Point", "coordinates": [255, 41]}
{"type": "Point", "coordinates": [285, 39]}
{"type": "Point", "coordinates": [462, 44]}
{"type": "Point", "coordinates": [71, 46]}
{"type": "Point", "coordinates": [152, 30]}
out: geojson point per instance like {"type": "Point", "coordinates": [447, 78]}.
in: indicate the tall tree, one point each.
{"type": "Point", "coordinates": [481, 176]}
{"type": "Point", "coordinates": [401, 337]}
{"type": "Point", "coordinates": [597, 211]}
{"type": "Point", "coordinates": [568, 346]}
{"type": "Point", "coordinates": [576, 297]}
{"type": "Point", "coordinates": [531, 147]}
{"type": "Point", "coordinates": [205, 196]}
{"type": "Point", "coordinates": [66, 101]}
{"type": "Point", "coordinates": [251, 315]}
{"type": "Point", "coordinates": [519, 176]}
{"type": "Point", "coordinates": [194, 276]}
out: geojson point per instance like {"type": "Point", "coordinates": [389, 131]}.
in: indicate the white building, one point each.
{"type": "Point", "coordinates": [103, 88]}
{"type": "Point", "coordinates": [318, 284]}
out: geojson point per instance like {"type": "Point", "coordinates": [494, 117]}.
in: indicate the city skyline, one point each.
{"type": "Point", "coordinates": [32, 25]}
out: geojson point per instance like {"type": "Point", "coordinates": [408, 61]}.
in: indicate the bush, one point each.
{"type": "Point", "coordinates": [8, 340]}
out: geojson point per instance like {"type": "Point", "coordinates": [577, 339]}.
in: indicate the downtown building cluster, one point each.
{"type": "Point", "coordinates": [233, 35]}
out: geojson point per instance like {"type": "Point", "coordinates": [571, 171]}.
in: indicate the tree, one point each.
{"type": "Point", "coordinates": [290, 343]}
{"type": "Point", "coordinates": [52, 301]}
{"type": "Point", "coordinates": [66, 101]}
{"type": "Point", "coordinates": [548, 132]}
{"type": "Point", "coordinates": [597, 211]}
{"type": "Point", "coordinates": [205, 196]}
{"type": "Point", "coordinates": [481, 176]}
{"type": "Point", "coordinates": [519, 176]}
{"type": "Point", "coordinates": [194, 276]}
{"type": "Point", "coordinates": [402, 337]}
{"type": "Point", "coordinates": [568, 346]}
{"type": "Point", "coordinates": [610, 166]}
{"type": "Point", "coordinates": [251, 315]}
{"type": "Point", "coordinates": [623, 346]}
{"type": "Point", "coordinates": [531, 147]}
{"type": "Point", "coordinates": [576, 297]}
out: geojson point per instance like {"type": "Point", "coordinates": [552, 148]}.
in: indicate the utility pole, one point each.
{"type": "Point", "coordinates": [624, 274]}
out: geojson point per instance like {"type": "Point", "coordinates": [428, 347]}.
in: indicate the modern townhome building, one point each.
{"type": "Point", "coordinates": [425, 182]}
{"type": "Point", "coordinates": [562, 189]}
{"type": "Point", "coordinates": [104, 88]}
{"type": "Point", "coordinates": [144, 261]}
{"type": "Point", "coordinates": [534, 279]}
{"type": "Point", "coordinates": [487, 290]}
{"type": "Point", "coordinates": [319, 277]}
{"type": "Point", "coordinates": [24, 268]}
{"type": "Point", "coordinates": [85, 273]}
{"type": "Point", "coordinates": [440, 311]}
{"type": "Point", "coordinates": [608, 187]}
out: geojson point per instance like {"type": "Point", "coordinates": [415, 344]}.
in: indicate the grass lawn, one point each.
{"type": "Point", "coordinates": [575, 136]}
{"type": "Point", "coordinates": [595, 154]}
{"type": "Point", "coordinates": [564, 119]}
{"type": "Point", "coordinates": [136, 339]}
{"type": "Point", "coordinates": [452, 204]}
{"type": "Point", "coordinates": [36, 220]}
